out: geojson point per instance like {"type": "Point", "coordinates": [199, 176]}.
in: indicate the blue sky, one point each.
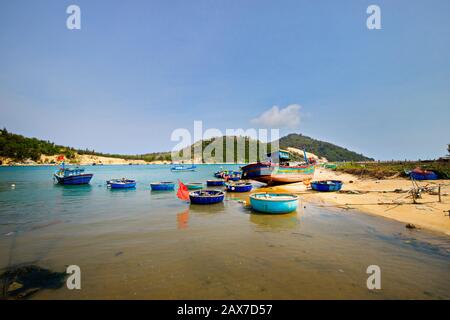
{"type": "Point", "coordinates": [137, 70]}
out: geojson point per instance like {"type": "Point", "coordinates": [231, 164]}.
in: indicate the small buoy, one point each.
{"type": "Point", "coordinates": [13, 186]}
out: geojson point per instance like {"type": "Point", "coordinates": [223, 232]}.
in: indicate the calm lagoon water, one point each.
{"type": "Point", "coordinates": [140, 244]}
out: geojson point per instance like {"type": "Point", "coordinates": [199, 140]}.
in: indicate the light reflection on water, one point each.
{"type": "Point", "coordinates": [142, 244]}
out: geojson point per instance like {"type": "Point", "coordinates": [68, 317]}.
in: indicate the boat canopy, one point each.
{"type": "Point", "coordinates": [279, 154]}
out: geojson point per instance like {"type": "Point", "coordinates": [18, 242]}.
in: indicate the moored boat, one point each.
{"type": "Point", "coordinates": [239, 187]}
{"type": "Point", "coordinates": [278, 172]}
{"type": "Point", "coordinates": [206, 196]}
{"type": "Point", "coordinates": [121, 183]}
{"type": "Point", "coordinates": [215, 183]}
{"type": "Point", "coordinates": [68, 176]}
{"type": "Point", "coordinates": [182, 168]}
{"type": "Point", "coordinates": [162, 186]}
{"type": "Point", "coordinates": [419, 174]}
{"type": "Point", "coordinates": [274, 202]}
{"type": "Point", "coordinates": [194, 185]}
{"type": "Point", "coordinates": [326, 185]}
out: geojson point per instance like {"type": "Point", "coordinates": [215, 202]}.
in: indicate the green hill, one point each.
{"type": "Point", "coordinates": [321, 148]}
{"type": "Point", "coordinates": [20, 148]}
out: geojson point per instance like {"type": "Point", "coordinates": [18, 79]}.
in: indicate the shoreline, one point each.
{"type": "Point", "coordinates": [388, 198]}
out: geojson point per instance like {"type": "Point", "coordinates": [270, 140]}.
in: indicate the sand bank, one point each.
{"type": "Point", "coordinates": [387, 198]}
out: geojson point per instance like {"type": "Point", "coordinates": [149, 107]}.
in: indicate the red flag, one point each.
{"type": "Point", "coordinates": [182, 192]}
{"type": "Point", "coordinates": [60, 158]}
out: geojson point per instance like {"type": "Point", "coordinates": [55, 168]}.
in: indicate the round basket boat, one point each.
{"type": "Point", "coordinates": [215, 183]}
{"type": "Point", "coordinates": [274, 202]}
{"type": "Point", "coordinates": [194, 185]}
{"type": "Point", "coordinates": [206, 196]}
{"type": "Point", "coordinates": [162, 186]}
{"type": "Point", "coordinates": [121, 183]}
{"type": "Point", "coordinates": [239, 187]}
{"type": "Point", "coordinates": [326, 185]}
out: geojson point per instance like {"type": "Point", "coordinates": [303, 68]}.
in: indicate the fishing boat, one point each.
{"type": "Point", "coordinates": [194, 185]}
{"type": "Point", "coordinates": [227, 173]}
{"type": "Point", "coordinates": [182, 168]}
{"type": "Point", "coordinates": [239, 187]}
{"type": "Point", "coordinates": [73, 176]}
{"type": "Point", "coordinates": [274, 202]}
{"type": "Point", "coordinates": [206, 196]}
{"type": "Point", "coordinates": [162, 186]}
{"type": "Point", "coordinates": [326, 185]}
{"type": "Point", "coordinates": [215, 183]}
{"type": "Point", "coordinates": [279, 171]}
{"type": "Point", "coordinates": [419, 174]}
{"type": "Point", "coordinates": [121, 183]}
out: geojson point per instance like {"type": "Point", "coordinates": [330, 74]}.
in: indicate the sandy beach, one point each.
{"type": "Point", "coordinates": [388, 198]}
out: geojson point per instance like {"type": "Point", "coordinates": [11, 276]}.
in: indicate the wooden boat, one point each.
{"type": "Point", "coordinates": [239, 187]}
{"type": "Point", "coordinates": [121, 183]}
{"type": "Point", "coordinates": [206, 196]}
{"type": "Point", "coordinates": [182, 168]}
{"type": "Point", "coordinates": [215, 183]}
{"type": "Point", "coordinates": [326, 185]}
{"type": "Point", "coordinates": [274, 202]}
{"type": "Point", "coordinates": [194, 185]}
{"type": "Point", "coordinates": [419, 174]}
{"type": "Point", "coordinates": [74, 176]}
{"type": "Point", "coordinates": [278, 173]}
{"type": "Point", "coordinates": [162, 186]}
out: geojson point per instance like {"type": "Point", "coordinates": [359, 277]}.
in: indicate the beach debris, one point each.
{"type": "Point", "coordinates": [20, 282]}
{"type": "Point", "coordinates": [349, 191]}
{"type": "Point", "coordinates": [351, 181]}
{"type": "Point", "coordinates": [118, 253]}
{"type": "Point", "coordinates": [410, 226]}
{"type": "Point", "coordinates": [9, 233]}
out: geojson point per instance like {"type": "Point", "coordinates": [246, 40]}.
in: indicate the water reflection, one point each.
{"type": "Point", "coordinates": [73, 190]}
{"type": "Point", "coordinates": [183, 219]}
{"type": "Point", "coordinates": [207, 209]}
{"type": "Point", "coordinates": [275, 221]}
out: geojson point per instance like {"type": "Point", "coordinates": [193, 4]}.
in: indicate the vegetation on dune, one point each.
{"type": "Point", "coordinates": [382, 170]}
{"type": "Point", "coordinates": [321, 148]}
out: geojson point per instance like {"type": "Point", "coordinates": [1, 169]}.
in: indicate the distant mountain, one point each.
{"type": "Point", "coordinates": [21, 148]}
{"type": "Point", "coordinates": [321, 148]}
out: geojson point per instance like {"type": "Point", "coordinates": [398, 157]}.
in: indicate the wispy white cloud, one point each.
{"type": "Point", "coordinates": [275, 117]}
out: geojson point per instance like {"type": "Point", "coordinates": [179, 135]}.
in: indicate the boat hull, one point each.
{"type": "Point", "coordinates": [74, 179]}
{"type": "Point", "coordinates": [274, 205]}
{"type": "Point", "coordinates": [215, 183]}
{"type": "Point", "coordinates": [326, 186]}
{"type": "Point", "coordinates": [194, 186]}
{"type": "Point", "coordinates": [123, 185]}
{"type": "Point", "coordinates": [276, 174]}
{"type": "Point", "coordinates": [424, 176]}
{"type": "Point", "coordinates": [162, 186]}
{"type": "Point", "coordinates": [240, 187]}
{"type": "Point", "coordinates": [198, 197]}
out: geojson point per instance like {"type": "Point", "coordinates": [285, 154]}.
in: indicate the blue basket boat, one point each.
{"type": "Point", "coordinates": [121, 183]}
{"type": "Point", "coordinates": [181, 168]}
{"type": "Point", "coordinates": [74, 176]}
{"type": "Point", "coordinates": [206, 196]}
{"type": "Point", "coordinates": [274, 202]}
{"type": "Point", "coordinates": [239, 187]}
{"type": "Point", "coordinates": [194, 185]}
{"type": "Point", "coordinates": [215, 183]}
{"type": "Point", "coordinates": [430, 175]}
{"type": "Point", "coordinates": [162, 186]}
{"type": "Point", "coordinates": [326, 185]}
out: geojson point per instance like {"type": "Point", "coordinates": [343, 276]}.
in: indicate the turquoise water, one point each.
{"type": "Point", "coordinates": [143, 244]}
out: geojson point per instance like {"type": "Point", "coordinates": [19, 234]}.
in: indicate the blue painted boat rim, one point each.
{"type": "Point", "coordinates": [274, 197]}
{"type": "Point", "coordinates": [327, 182]}
{"type": "Point", "coordinates": [162, 183]}
{"type": "Point", "coordinates": [207, 193]}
